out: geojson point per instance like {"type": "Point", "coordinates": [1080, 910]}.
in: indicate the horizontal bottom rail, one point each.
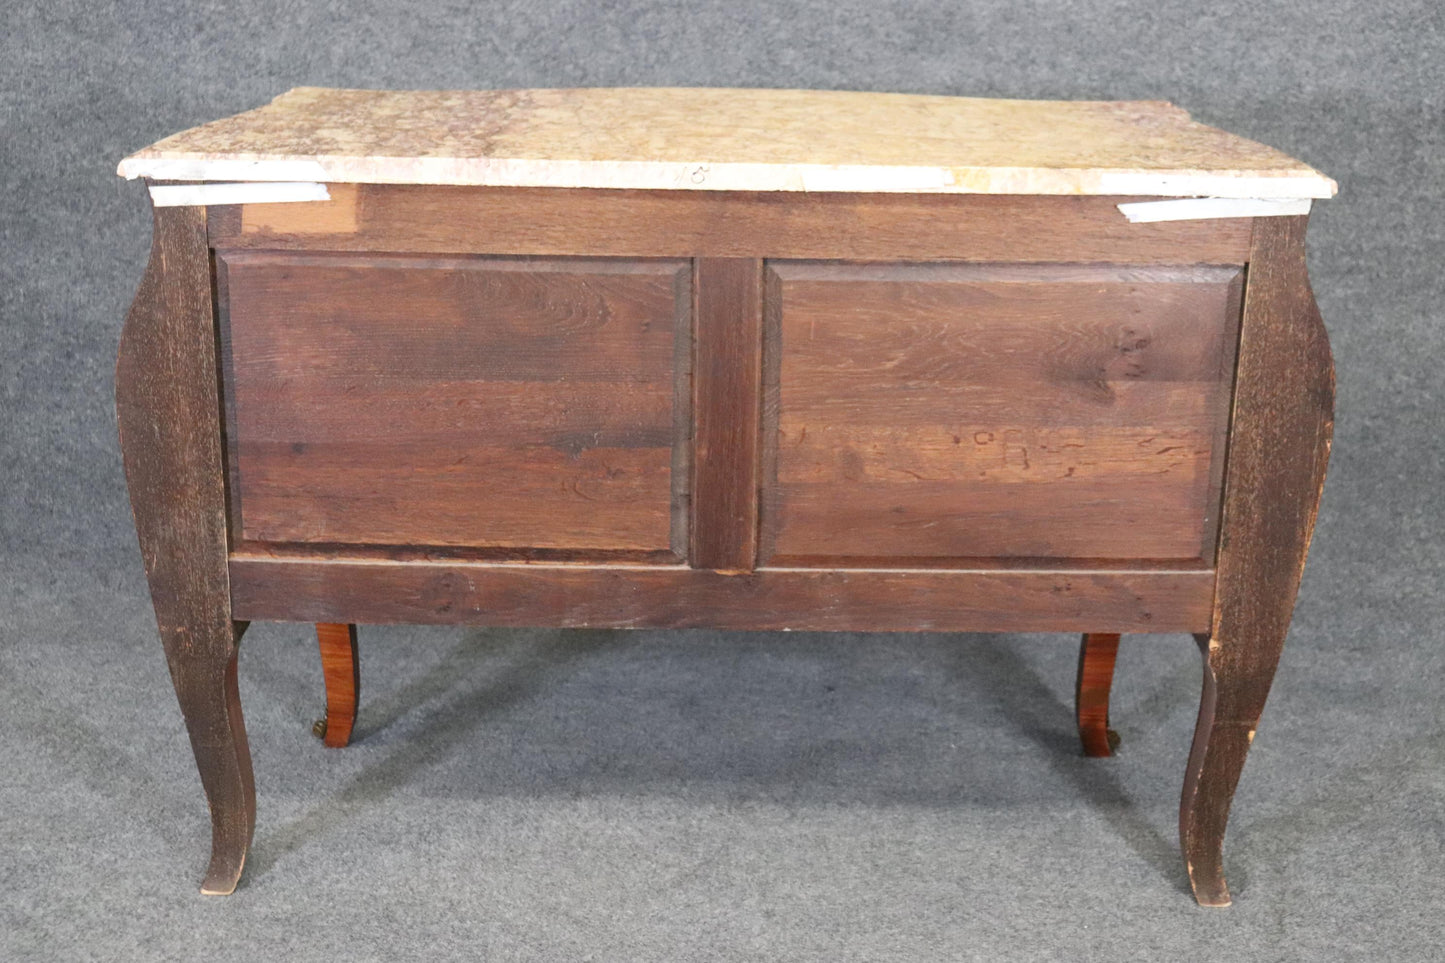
{"type": "Point", "coordinates": [651, 596]}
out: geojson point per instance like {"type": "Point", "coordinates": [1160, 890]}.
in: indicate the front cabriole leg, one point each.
{"type": "Point", "coordinates": [1279, 445]}
{"type": "Point", "coordinates": [169, 414]}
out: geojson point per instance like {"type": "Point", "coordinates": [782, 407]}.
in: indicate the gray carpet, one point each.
{"type": "Point", "coordinates": [535, 795]}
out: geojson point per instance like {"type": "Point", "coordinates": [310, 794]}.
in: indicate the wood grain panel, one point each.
{"type": "Point", "coordinates": [482, 402]}
{"type": "Point", "coordinates": [622, 596]}
{"type": "Point", "coordinates": [936, 411]}
{"type": "Point", "coordinates": [630, 223]}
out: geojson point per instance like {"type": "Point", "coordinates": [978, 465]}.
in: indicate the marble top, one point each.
{"type": "Point", "coordinates": [720, 139]}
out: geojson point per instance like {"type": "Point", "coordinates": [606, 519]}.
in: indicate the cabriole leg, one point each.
{"type": "Point", "coordinates": [169, 414]}
{"type": "Point", "coordinates": [1097, 652]}
{"type": "Point", "coordinates": [1279, 446]}
{"type": "Point", "coordinates": [211, 704]}
{"type": "Point", "coordinates": [1235, 685]}
{"type": "Point", "coordinates": [342, 672]}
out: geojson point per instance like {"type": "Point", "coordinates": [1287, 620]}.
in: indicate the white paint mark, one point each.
{"type": "Point", "coordinates": [1199, 208]}
{"type": "Point", "coordinates": [198, 195]}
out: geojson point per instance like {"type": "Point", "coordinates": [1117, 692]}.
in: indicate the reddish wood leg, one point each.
{"type": "Point", "coordinates": [342, 672]}
{"type": "Point", "coordinates": [1280, 443]}
{"type": "Point", "coordinates": [169, 416]}
{"type": "Point", "coordinates": [1091, 693]}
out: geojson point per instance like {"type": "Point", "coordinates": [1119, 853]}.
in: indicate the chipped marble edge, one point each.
{"type": "Point", "coordinates": [670, 175]}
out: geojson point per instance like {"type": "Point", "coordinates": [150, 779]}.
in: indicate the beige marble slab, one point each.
{"type": "Point", "coordinates": [719, 139]}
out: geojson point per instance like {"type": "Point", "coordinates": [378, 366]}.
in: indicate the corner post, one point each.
{"type": "Point", "coordinates": [1279, 446]}
{"type": "Point", "coordinates": [169, 415]}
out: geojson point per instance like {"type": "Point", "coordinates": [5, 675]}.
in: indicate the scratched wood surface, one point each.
{"type": "Point", "coordinates": [994, 411]}
{"type": "Point", "coordinates": [455, 401]}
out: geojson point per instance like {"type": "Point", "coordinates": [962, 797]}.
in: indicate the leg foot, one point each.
{"type": "Point", "coordinates": [211, 703]}
{"type": "Point", "coordinates": [342, 672]}
{"type": "Point", "coordinates": [1222, 738]}
{"type": "Point", "coordinates": [1091, 693]}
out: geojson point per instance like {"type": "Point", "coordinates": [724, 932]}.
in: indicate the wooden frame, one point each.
{"type": "Point", "coordinates": [204, 579]}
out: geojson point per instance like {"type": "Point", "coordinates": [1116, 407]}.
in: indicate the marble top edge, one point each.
{"type": "Point", "coordinates": [701, 138]}
{"type": "Point", "coordinates": [645, 175]}
{"type": "Point", "coordinates": [807, 92]}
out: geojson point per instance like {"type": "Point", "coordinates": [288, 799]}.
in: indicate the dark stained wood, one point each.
{"type": "Point", "coordinates": [485, 402]}
{"type": "Point", "coordinates": [169, 417]}
{"type": "Point", "coordinates": [1279, 448]}
{"type": "Point", "coordinates": [636, 596]}
{"type": "Point", "coordinates": [726, 398]}
{"type": "Point", "coordinates": [341, 670]}
{"type": "Point", "coordinates": [996, 410]}
{"type": "Point", "coordinates": [1097, 651]}
{"type": "Point", "coordinates": [780, 224]}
